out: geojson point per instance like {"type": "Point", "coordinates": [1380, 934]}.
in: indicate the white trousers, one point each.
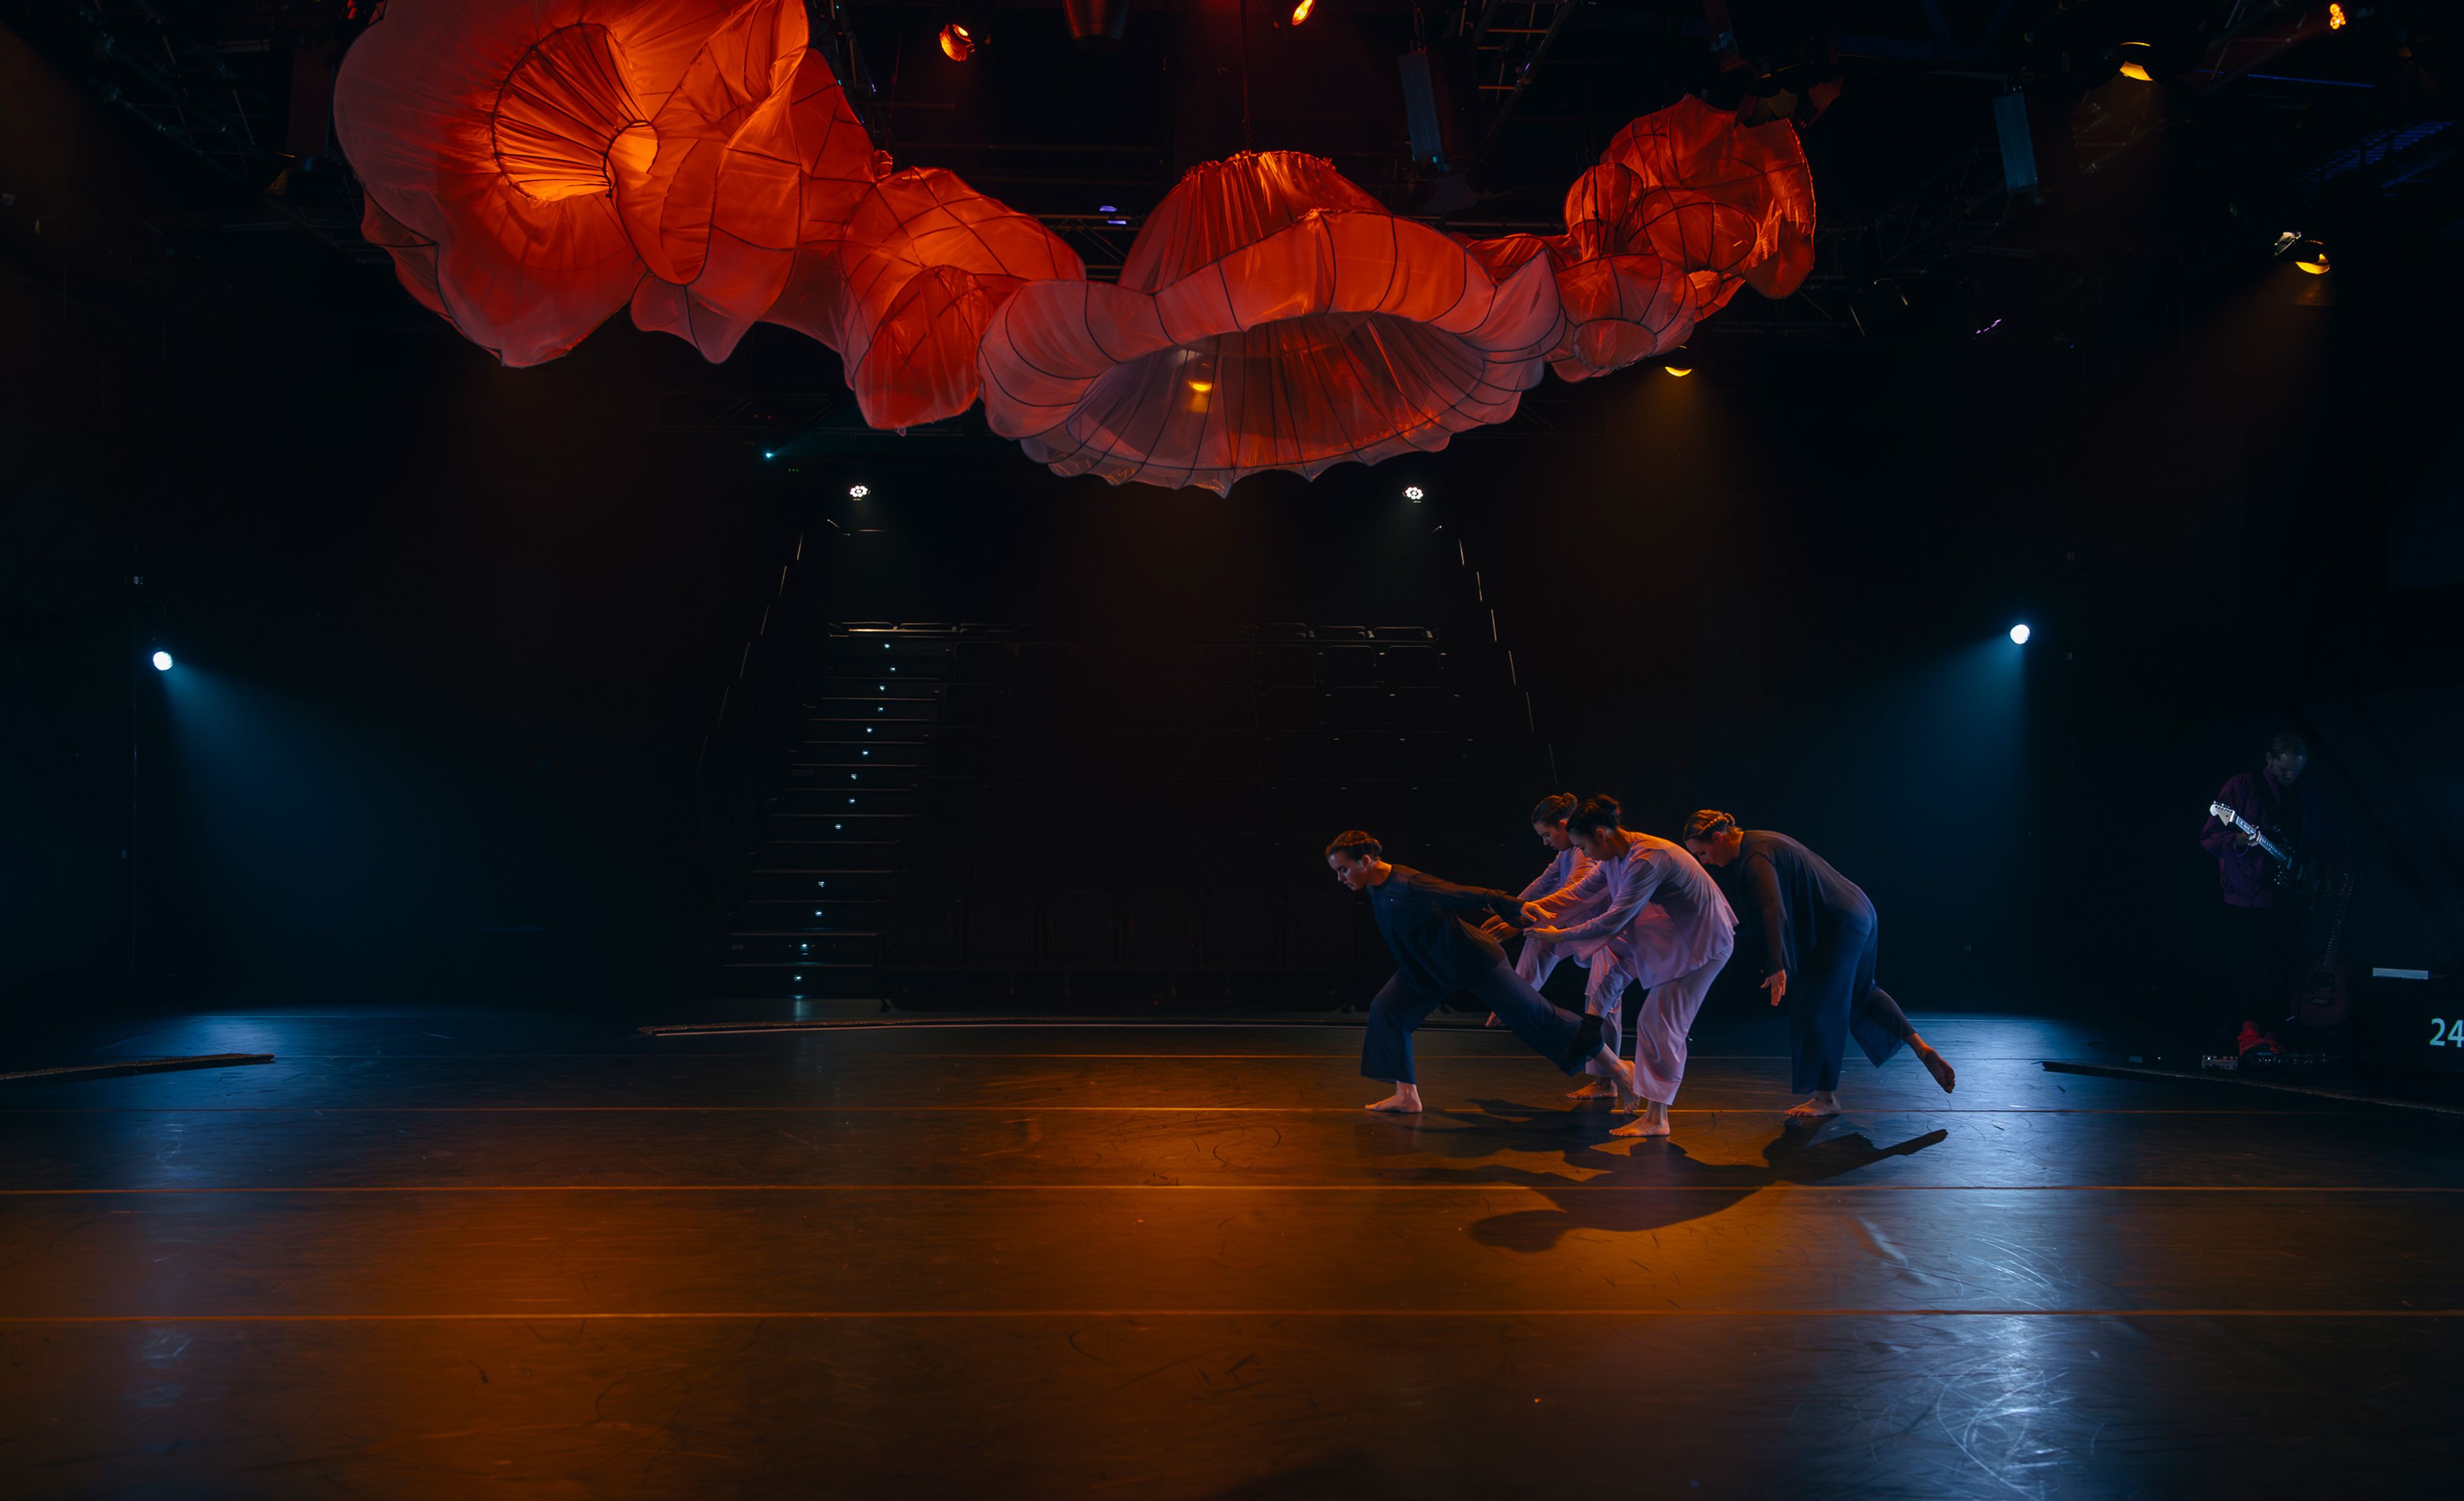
{"type": "Point", "coordinates": [1662, 1024]}
{"type": "Point", "coordinates": [1540, 957]}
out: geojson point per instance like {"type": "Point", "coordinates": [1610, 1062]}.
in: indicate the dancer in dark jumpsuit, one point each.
{"type": "Point", "coordinates": [1437, 953]}
{"type": "Point", "coordinates": [1818, 931]}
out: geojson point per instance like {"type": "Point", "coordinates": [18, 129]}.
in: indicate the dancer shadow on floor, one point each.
{"type": "Point", "coordinates": [1793, 1157]}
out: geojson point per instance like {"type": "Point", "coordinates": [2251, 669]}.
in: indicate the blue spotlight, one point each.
{"type": "Point", "coordinates": [162, 661]}
{"type": "Point", "coordinates": [2019, 635]}
{"type": "Point", "coordinates": [766, 454]}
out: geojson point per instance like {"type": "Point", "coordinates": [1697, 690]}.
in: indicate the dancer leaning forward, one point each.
{"type": "Point", "coordinates": [1437, 953]}
{"type": "Point", "coordinates": [1818, 930]}
{"type": "Point", "coordinates": [1659, 921]}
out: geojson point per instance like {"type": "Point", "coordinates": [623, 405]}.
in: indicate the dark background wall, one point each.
{"type": "Point", "coordinates": [450, 636]}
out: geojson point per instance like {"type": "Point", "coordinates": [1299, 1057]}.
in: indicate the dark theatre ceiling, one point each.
{"type": "Point", "coordinates": [1986, 169]}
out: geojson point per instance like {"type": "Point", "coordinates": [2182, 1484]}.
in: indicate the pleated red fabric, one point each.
{"type": "Point", "coordinates": [908, 287]}
{"type": "Point", "coordinates": [1685, 207]}
{"type": "Point", "coordinates": [535, 167]}
{"type": "Point", "coordinates": [530, 164]}
{"type": "Point", "coordinates": [1269, 316]}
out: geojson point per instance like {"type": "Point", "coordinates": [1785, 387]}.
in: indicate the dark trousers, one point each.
{"type": "Point", "coordinates": [1832, 999]}
{"type": "Point", "coordinates": [1553, 1033]}
{"type": "Point", "coordinates": [2267, 953]}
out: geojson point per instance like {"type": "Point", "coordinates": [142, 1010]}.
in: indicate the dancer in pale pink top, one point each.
{"type": "Point", "coordinates": [1664, 925]}
{"type": "Point", "coordinates": [1553, 895]}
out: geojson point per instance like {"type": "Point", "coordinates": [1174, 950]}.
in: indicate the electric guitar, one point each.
{"type": "Point", "coordinates": [2322, 999]}
{"type": "Point", "coordinates": [2287, 871]}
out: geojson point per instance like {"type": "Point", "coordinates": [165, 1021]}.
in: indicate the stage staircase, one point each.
{"type": "Point", "coordinates": [982, 814]}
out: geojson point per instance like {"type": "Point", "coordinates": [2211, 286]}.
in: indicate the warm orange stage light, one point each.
{"type": "Point", "coordinates": [955, 44]}
{"type": "Point", "coordinates": [2335, 18]}
{"type": "Point", "coordinates": [1681, 371]}
{"type": "Point", "coordinates": [2132, 70]}
{"type": "Point", "coordinates": [1301, 12]}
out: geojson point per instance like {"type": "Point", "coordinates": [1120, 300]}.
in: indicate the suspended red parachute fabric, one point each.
{"type": "Point", "coordinates": [1270, 314]}
{"type": "Point", "coordinates": [531, 167]}
{"type": "Point", "coordinates": [1686, 206]}
{"type": "Point", "coordinates": [904, 297]}
{"type": "Point", "coordinates": [529, 164]}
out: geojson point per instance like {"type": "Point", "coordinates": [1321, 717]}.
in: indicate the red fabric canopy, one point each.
{"type": "Point", "coordinates": [1270, 316]}
{"type": "Point", "coordinates": [535, 164]}
{"type": "Point", "coordinates": [535, 167]}
{"type": "Point", "coordinates": [1685, 207]}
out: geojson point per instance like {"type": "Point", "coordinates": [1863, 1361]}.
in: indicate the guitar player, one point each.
{"type": "Point", "coordinates": [2264, 902]}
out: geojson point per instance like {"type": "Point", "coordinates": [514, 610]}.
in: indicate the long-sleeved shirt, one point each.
{"type": "Point", "coordinates": [1663, 915]}
{"type": "Point", "coordinates": [2295, 817]}
{"type": "Point", "coordinates": [1795, 899]}
{"type": "Point", "coordinates": [1435, 951]}
{"type": "Point", "coordinates": [1554, 892]}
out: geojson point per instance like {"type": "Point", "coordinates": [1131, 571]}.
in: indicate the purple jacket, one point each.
{"type": "Point", "coordinates": [2300, 813]}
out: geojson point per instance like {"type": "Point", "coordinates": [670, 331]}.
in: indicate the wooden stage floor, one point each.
{"type": "Point", "coordinates": [450, 1254]}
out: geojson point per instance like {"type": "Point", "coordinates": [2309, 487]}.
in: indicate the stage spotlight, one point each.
{"type": "Point", "coordinates": [2135, 56]}
{"type": "Point", "coordinates": [1415, 494]}
{"type": "Point", "coordinates": [1681, 371]}
{"type": "Point", "coordinates": [2336, 18]}
{"type": "Point", "coordinates": [1301, 12]}
{"type": "Point", "coordinates": [162, 661]}
{"type": "Point", "coordinates": [2019, 635]}
{"type": "Point", "coordinates": [2307, 250]}
{"type": "Point", "coordinates": [957, 44]}
{"type": "Point", "coordinates": [858, 493]}
{"type": "Point", "coordinates": [766, 454]}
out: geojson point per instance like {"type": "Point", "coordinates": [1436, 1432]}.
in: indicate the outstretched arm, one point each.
{"type": "Point", "coordinates": [1505, 906]}
{"type": "Point", "coordinates": [1628, 902]}
{"type": "Point", "coordinates": [1577, 886]}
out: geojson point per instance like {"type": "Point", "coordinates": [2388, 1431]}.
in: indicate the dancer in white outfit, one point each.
{"type": "Point", "coordinates": [1553, 893]}
{"type": "Point", "coordinates": [1662, 924]}
{"type": "Point", "coordinates": [1553, 896]}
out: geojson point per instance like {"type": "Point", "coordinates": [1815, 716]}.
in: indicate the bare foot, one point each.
{"type": "Point", "coordinates": [1938, 1066]}
{"type": "Point", "coordinates": [1592, 1090]}
{"type": "Point", "coordinates": [1629, 1094]}
{"type": "Point", "coordinates": [1404, 1101]}
{"type": "Point", "coordinates": [1820, 1107]}
{"type": "Point", "coordinates": [1650, 1125]}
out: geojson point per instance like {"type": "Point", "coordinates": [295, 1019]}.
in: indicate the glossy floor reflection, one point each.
{"type": "Point", "coordinates": [429, 1252]}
